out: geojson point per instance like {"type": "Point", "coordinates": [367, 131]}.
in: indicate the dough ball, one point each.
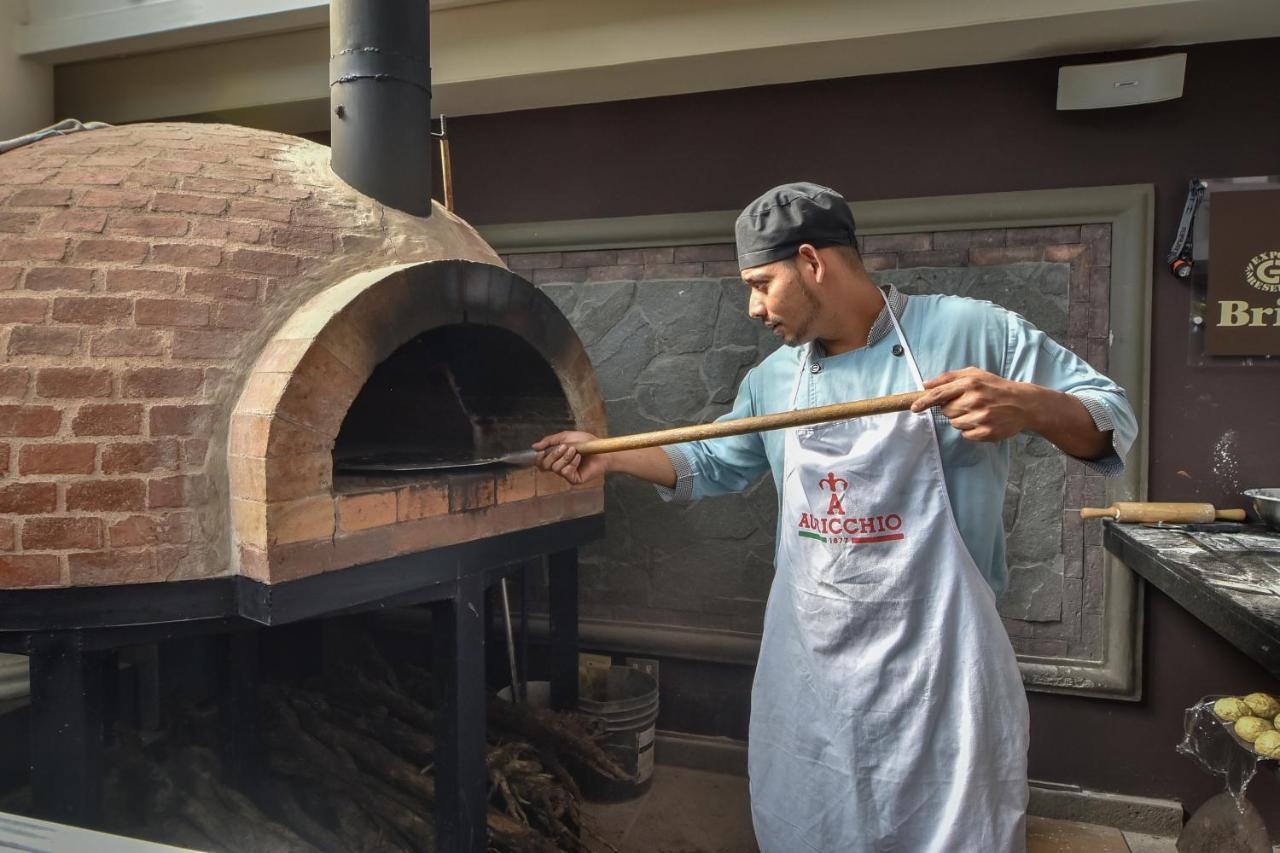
{"type": "Point", "coordinates": [1262, 705]}
{"type": "Point", "coordinates": [1268, 745]}
{"type": "Point", "coordinates": [1231, 708]}
{"type": "Point", "coordinates": [1249, 728]}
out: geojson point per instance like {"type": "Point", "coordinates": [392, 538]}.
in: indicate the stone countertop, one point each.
{"type": "Point", "coordinates": [1226, 575]}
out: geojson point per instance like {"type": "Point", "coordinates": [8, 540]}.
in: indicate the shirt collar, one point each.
{"type": "Point", "coordinates": [883, 324]}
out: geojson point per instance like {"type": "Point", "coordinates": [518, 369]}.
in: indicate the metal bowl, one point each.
{"type": "Point", "coordinates": [1267, 504]}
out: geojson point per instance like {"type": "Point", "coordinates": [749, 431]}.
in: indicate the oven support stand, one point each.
{"type": "Point", "coordinates": [461, 778]}
{"type": "Point", "coordinates": [563, 606]}
{"type": "Point", "coordinates": [67, 686]}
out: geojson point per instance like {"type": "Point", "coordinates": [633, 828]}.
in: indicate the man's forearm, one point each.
{"type": "Point", "coordinates": [1065, 421]}
{"type": "Point", "coordinates": [648, 463]}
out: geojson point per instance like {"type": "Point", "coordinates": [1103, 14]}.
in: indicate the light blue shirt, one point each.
{"type": "Point", "coordinates": [945, 333]}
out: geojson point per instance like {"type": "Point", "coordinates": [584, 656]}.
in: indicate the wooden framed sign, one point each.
{"type": "Point", "coordinates": [1243, 291]}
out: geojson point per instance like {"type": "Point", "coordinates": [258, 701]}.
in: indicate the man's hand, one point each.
{"type": "Point", "coordinates": [986, 407]}
{"type": "Point", "coordinates": [983, 406]}
{"type": "Point", "coordinates": [557, 454]}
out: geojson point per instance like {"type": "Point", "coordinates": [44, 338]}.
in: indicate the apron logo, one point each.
{"type": "Point", "coordinates": [836, 527]}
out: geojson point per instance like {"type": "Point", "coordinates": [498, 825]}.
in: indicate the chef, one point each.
{"type": "Point", "coordinates": [887, 712]}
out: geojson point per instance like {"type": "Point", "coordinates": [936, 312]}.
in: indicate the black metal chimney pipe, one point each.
{"type": "Point", "coordinates": [380, 99]}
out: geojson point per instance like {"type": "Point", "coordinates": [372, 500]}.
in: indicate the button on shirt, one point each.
{"type": "Point", "coordinates": [946, 333]}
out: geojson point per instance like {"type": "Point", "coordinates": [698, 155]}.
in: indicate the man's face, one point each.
{"type": "Point", "coordinates": [785, 299]}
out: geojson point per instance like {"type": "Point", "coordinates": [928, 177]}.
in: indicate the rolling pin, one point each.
{"type": "Point", "coordinates": [737, 426]}
{"type": "Point", "coordinates": [1172, 513]}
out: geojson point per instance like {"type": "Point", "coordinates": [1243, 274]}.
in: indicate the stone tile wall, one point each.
{"type": "Point", "coordinates": [667, 332]}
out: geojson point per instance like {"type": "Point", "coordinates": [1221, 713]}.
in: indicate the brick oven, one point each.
{"type": "Point", "coordinates": [189, 313]}
{"type": "Point", "coordinates": [205, 330]}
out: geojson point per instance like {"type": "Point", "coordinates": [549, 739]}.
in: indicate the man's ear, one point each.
{"type": "Point", "coordinates": [809, 262]}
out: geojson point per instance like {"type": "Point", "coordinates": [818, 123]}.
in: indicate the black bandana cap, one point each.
{"type": "Point", "coordinates": [773, 227]}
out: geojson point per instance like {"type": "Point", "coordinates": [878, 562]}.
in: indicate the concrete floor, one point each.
{"type": "Point", "coordinates": [696, 811]}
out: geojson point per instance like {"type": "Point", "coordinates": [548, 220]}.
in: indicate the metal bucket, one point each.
{"type": "Point", "coordinates": [626, 703]}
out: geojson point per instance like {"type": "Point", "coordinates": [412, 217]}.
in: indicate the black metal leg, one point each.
{"type": "Point", "coordinates": [524, 632]}
{"type": "Point", "coordinates": [563, 606]}
{"type": "Point", "coordinates": [66, 729]}
{"type": "Point", "coordinates": [457, 630]}
{"type": "Point", "coordinates": [238, 711]}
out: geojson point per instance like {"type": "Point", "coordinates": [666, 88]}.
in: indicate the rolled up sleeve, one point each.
{"type": "Point", "coordinates": [1032, 356]}
{"type": "Point", "coordinates": [718, 466]}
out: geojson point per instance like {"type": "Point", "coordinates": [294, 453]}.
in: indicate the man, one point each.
{"type": "Point", "coordinates": [887, 712]}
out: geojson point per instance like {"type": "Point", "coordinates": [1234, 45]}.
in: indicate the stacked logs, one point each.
{"type": "Point", "coordinates": [348, 767]}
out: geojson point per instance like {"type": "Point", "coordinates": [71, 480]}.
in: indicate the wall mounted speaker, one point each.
{"type": "Point", "coordinates": [1121, 84]}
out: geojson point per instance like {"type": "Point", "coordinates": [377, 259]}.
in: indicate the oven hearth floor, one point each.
{"type": "Point", "coordinates": [699, 811]}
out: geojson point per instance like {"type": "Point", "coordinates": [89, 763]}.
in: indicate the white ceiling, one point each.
{"type": "Point", "coordinates": [123, 60]}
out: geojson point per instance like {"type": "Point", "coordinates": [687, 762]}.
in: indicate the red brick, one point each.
{"type": "Point", "coordinates": [254, 208]}
{"type": "Point", "coordinates": [59, 278]}
{"type": "Point", "coordinates": [236, 315]}
{"type": "Point", "coordinates": [116, 156]}
{"type": "Point", "coordinates": [361, 512]}
{"type": "Point", "coordinates": [139, 530]}
{"type": "Point", "coordinates": [41, 197]}
{"type": "Point", "coordinates": [4, 459]}
{"type": "Point", "coordinates": [14, 381]}
{"type": "Point", "coordinates": [989, 256]}
{"type": "Point", "coordinates": [25, 176]}
{"type": "Point", "coordinates": [152, 281]}
{"type": "Point", "coordinates": [283, 192]}
{"type": "Point", "coordinates": [126, 342]}
{"type": "Point", "coordinates": [536, 261]}
{"type": "Point", "coordinates": [179, 420]}
{"type": "Point", "coordinates": [8, 537]}
{"type": "Point", "coordinates": [589, 259]}
{"type": "Point", "coordinates": [163, 382]}
{"type": "Point", "coordinates": [57, 459]}
{"type": "Point", "coordinates": [239, 173]}
{"type": "Point", "coordinates": [30, 570]}
{"type": "Point", "coordinates": [194, 452]}
{"type": "Point", "coordinates": [29, 498]}
{"type": "Point", "coordinates": [145, 225]}
{"type": "Point", "coordinates": [933, 258]}
{"type": "Point", "coordinates": [76, 220]}
{"type": "Point", "coordinates": [231, 232]}
{"type": "Point", "coordinates": [186, 255]}
{"type": "Point", "coordinates": [140, 457]}
{"type": "Point", "coordinates": [263, 263]}
{"type": "Point", "coordinates": [201, 184]}
{"type": "Point", "coordinates": [101, 568]}
{"type": "Point", "coordinates": [154, 180]}
{"type": "Point", "coordinates": [716, 252]}
{"type": "Point", "coordinates": [23, 310]}
{"type": "Point", "coordinates": [73, 382]}
{"type": "Point", "coordinates": [107, 495]}
{"type": "Point", "coordinates": [170, 312]}
{"type": "Point", "coordinates": [38, 340]}
{"type": "Point", "coordinates": [312, 241]}
{"type": "Point", "coordinates": [9, 277]}
{"type": "Point", "coordinates": [125, 251]}
{"type": "Point", "coordinates": [33, 248]}
{"type": "Point", "coordinates": [222, 286]}
{"type": "Point", "coordinates": [181, 167]}
{"type": "Point", "coordinates": [18, 221]}
{"type": "Point", "coordinates": [108, 419]}
{"type": "Point", "coordinates": [182, 203]}
{"type": "Point", "coordinates": [720, 269]}
{"type": "Point", "coordinates": [199, 343]}
{"type": "Point", "coordinates": [177, 491]}
{"type": "Point", "coordinates": [103, 176]}
{"type": "Point", "coordinates": [897, 243]}
{"type": "Point", "coordinates": [90, 310]}
{"type": "Point", "coordinates": [122, 199]}
{"type": "Point", "coordinates": [672, 271]}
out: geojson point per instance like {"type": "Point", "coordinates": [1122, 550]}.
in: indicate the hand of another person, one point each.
{"type": "Point", "coordinates": [982, 405]}
{"type": "Point", "coordinates": [557, 454]}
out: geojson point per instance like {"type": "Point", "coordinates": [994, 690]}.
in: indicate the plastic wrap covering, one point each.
{"type": "Point", "coordinates": [1211, 743]}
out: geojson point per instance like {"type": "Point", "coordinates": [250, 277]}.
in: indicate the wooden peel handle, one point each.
{"type": "Point", "coordinates": [1171, 513]}
{"type": "Point", "coordinates": [758, 423]}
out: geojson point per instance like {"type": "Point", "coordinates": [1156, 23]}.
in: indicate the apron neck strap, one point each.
{"type": "Point", "coordinates": [902, 339]}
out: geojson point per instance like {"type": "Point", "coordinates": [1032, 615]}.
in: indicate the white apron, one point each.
{"type": "Point", "coordinates": [888, 713]}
